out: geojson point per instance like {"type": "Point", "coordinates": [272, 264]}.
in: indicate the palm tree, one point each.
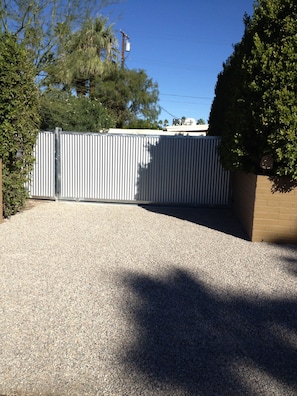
{"type": "Point", "coordinates": [86, 54]}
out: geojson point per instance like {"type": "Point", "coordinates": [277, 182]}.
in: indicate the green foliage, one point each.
{"type": "Point", "coordinates": [83, 56]}
{"type": "Point", "coordinates": [131, 96]}
{"type": "Point", "coordinates": [201, 121]}
{"type": "Point", "coordinates": [19, 121]}
{"type": "Point", "coordinates": [42, 24]}
{"type": "Point", "coordinates": [255, 109]}
{"type": "Point", "coordinates": [138, 123]}
{"type": "Point", "coordinates": [86, 64]}
{"type": "Point", "coordinates": [80, 114]}
{"type": "Point", "coordinates": [166, 123]}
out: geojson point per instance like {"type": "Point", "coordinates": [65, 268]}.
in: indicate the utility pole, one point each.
{"type": "Point", "coordinates": [124, 38]}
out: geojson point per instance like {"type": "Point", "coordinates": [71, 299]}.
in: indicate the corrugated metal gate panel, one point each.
{"type": "Point", "coordinates": [100, 167]}
{"type": "Point", "coordinates": [42, 178]}
{"type": "Point", "coordinates": [156, 169]}
{"type": "Point", "coordinates": [183, 171]}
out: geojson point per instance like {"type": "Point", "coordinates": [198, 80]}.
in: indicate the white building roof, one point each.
{"type": "Point", "coordinates": [186, 130]}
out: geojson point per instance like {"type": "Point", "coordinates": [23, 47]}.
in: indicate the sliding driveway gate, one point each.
{"type": "Point", "coordinates": [129, 168]}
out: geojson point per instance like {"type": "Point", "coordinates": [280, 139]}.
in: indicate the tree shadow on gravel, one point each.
{"type": "Point", "coordinates": [220, 219]}
{"type": "Point", "coordinates": [290, 258]}
{"type": "Point", "coordinates": [192, 339]}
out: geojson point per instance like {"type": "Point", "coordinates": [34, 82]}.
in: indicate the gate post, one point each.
{"type": "Point", "coordinates": [1, 203]}
{"type": "Point", "coordinates": [57, 163]}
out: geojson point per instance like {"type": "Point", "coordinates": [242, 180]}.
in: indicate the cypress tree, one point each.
{"type": "Point", "coordinates": [255, 107]}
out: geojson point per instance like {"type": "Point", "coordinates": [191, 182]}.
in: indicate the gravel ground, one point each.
{"type": "Point", "coordinates": [127, 300]}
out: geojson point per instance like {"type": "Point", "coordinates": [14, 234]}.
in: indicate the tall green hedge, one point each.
{"type": "Point", "coordinates": [255, 106]}
{"type": "Point", "coordinates": [19, 121]}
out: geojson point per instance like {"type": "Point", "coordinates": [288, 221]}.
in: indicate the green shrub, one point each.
{"type": "Point", "coordinates": [255, 108]}
{"type": "Point", "coordinates": [19, 121]}
{"type": "Point", "coordinates": [80, 114]}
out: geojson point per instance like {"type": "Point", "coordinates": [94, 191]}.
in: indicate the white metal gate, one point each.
{"type": "Point", "coordinates": [129, 168]}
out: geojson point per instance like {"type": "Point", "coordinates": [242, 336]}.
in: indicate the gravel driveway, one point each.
{"type": "Point", "coordinates": [127, 300]}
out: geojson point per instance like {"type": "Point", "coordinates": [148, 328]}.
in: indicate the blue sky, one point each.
{"type": "Point", "coordinates": [181, 45]}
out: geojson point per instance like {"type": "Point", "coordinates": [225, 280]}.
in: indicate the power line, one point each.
{"type": "Point", "coordinates": [187, 96]}
{"type": "Point", "coordinates": [168, 112]}
{"type": "Point", "coordinates": [183, 102]}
